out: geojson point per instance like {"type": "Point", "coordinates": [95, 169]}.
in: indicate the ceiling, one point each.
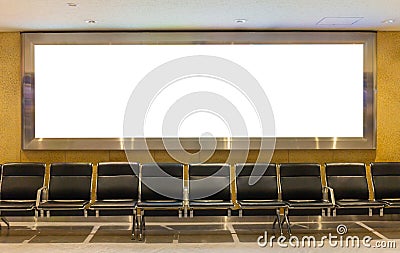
{"type": "Point", "coordinates": [128, 15]}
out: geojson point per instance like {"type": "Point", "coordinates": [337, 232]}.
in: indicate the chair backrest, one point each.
{"type": "Point", "coordinates": [20, 181]}
{"type": "Point", "coordinates": [161, 181]}
{"type": "Point", "coordinates": [386, 180]}
{"type": "Point", "coordinates": [265, 185]}
{"type": "Point", "coordinates": [348, 180]}
{"type": "Point", "coordinates": [301, 181]}
{"type": "Point", "coordinates": [70, 181]}
{"type": "Point", "coordinates": [209, 182]}
{"type": "Point", "coordinates": [117, 181]}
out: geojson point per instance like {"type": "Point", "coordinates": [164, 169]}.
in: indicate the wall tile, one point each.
{"type": "Point", "coordinates": [87, 156]}
{"type": "Point", "coordinates": [310, 156]}
{"type": "Point", "coordinates": [388, 108]}
{"type": "Point", "coordinates": [10, 97]}
{"type": "Point", "coordinates": [43, 156]}
{"type": "Point", "coordinates": [365, 156]}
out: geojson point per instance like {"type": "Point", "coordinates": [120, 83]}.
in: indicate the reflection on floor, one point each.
{"type": "Point", "coordinates": [199, 233]}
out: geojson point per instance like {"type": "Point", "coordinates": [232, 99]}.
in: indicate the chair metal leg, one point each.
{"type": "Point", "coordinates": [191, 213]}
{"type": "Point", "coordinates": [273, 224]}
{"type": "Point", "coordinates": [229, 212]}
{"type": "Point", "coordinates": [240, 213]}
{"type": "Point", "coordinates": [4, 219]}
{"type": "Point", "coordinates": [283, 221]}
{"type": "Point", "coordinates": [140, 227]}
{"type": "Point", "coordinates": [369, 211]}
{"type": "Point", "coordinates": [286, 219]}
{"type": "Point", "coordinates": [278, 219]}
{"type": "Point", "coordinates": [143, 222]}
{"type": "Point", "coordinates": [180, 213]}
{"type": "Point", "coordinates": [288, 224]}
{"type": "Point", "coordinates": [381, 212]}
{"type": "Point", "coordinates": [133, 237]}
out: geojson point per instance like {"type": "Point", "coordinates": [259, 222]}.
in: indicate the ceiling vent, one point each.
{"type": "Point", "coordinates": [339, 20]}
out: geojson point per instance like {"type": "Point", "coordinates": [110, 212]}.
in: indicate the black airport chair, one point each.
{"type": "Point", "coordinates": [117, 190]}
{"type": "Point", "coordinates": [257, 189]}
{"type": "Point", "coordinates": [350, 186]}
{"type": "Point", "coordinates": [160, 189]}
{"type": "Point", "coordinates": [386, 181]}
{"type": "Point", "coordinates": [303, 191]}
{"type": "Point", "coordinates": [210, 187]}
{"type": "Point", "coordinates": [69, 189]}
{"type": "Point", "coordinates": [19, 184]}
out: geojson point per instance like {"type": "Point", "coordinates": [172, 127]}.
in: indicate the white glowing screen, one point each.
{"type": "Point", "coordinates": [315, 90]}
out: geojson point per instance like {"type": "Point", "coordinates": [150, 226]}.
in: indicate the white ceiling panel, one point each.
{"type": "Point", "coordinates": [125, 15]}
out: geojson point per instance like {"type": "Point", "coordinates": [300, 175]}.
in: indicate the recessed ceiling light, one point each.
{"type": "Point", "coordinates": [388, 21]}
{"type": "Point", "coordinates": [240, 21]}
{"type": "Point", "coordinates": [91, 21]}
{"type": "Point", "coordinates": [72, 4]}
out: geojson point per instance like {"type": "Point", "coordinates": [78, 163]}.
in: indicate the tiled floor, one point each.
{"type": "Point", "coordinates": [200, 234]}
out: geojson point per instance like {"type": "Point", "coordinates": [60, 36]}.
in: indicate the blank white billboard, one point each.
{"type": "Point", "coordinates": [315, 90]}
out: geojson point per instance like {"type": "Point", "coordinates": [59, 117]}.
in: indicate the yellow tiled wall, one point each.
{"type": "Point", "coordinates": [388, 125]}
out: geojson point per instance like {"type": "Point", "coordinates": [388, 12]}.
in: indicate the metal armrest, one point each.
{"type": "Point", "coordinates": [236, 204]}
{"type": "Point", "coordinates": [87, 206]}
{"type": "Point", "coordinates": [42, 191]}
{"type": "Point", "coordinates": [331, 193]}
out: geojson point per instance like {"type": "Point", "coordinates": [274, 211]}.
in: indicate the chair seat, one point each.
{"type": "Point", "coordinates": [63, 205]}
{"type": "Point", "coordinates": [269, 204]}
{"type": "Point", "coordinates": [309, 204]}
{"type": "Point", "coordinates": [210, 204]}
{"type": "Point", "coordinates": [359, 203]}
{"type": "Point", "coordinates": [162, 204]}
{"type": "Point", "coordinates": [114, 204]}
{"type": "Point", "coordinates": [16, 205]}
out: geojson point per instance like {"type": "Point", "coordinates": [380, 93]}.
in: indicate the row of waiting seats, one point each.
{"type": "Point", "coordinates": [135, 189]}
